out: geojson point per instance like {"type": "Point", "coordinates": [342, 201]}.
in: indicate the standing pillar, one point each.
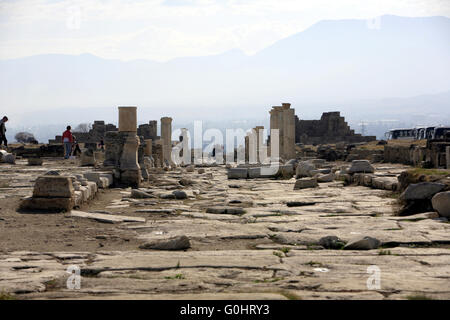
{"type": "Point", "coordinates": [288, 131]}
{"type": "Point", "coordinates": [278, 122]}
{"type": "Point", "coordinates": [148, 147]}
{"type": "Point", "coordinates": [259, 130]}
{"type": "Point", "coordinates": [130, 173]}
{"type": "Point", "coordinates": [166, 137]}
{"type": "Point", "coordinates": [153, 128]}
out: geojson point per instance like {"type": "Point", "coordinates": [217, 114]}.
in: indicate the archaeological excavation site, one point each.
{"type": "Point", "coordinates": [309, 210]}
{"type": "Point", "coordinates": [224, 159]}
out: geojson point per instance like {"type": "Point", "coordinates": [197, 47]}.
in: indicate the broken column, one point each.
{"type": "Point", "coordinates": [166, 137]}
{"type": "Point", "coordinates": [130, 172]}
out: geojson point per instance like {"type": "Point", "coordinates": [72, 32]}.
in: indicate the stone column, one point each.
{"type": "Point", "coordinates": [166, 137]}
{"type": "Point", "coordinates": [288, 131]}
{"type": "Point", "coordinates": [148, 148]}
{"type": "Point", "coordinates": [278, 124]}
{"type": "Point", "coordinates": [130, 173]}
{"type": "Point", "coordinates": [153, 128]}
{"type": "Point", "coordinates": [247, 148]}
{"type": "Point", "coordinates": [259, 143]}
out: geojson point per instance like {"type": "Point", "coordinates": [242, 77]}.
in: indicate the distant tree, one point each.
{"type": "Point", "coordinates": [25, 137]}
{"type": "Point", "coordinates": [83, 127]}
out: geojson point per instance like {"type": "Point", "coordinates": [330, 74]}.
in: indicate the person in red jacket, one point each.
{"type": "Point", "coordinates": [67, 141]}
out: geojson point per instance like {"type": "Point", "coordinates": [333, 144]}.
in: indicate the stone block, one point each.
{"type": "Point", "coordinates": [363, 166]}
{"type": "Point", "coordinates": [422, 190]}
{"type": "Point", "coordinates": [48, 204]}
{"type": "Point", "coordinates": [305, 183]}
{"type": "Point", "coordinates": [237, 173]}
{"type": "Point", "coordinates": [441, 203]}
{"type": "Point", "coordinates": [35, 161]}
{"type": "Point", "coordinates": [78, 196]}
{"type": "Point", "coordinates": [53, 187]}
{"type": "Point", "coordinates": [93, 188]}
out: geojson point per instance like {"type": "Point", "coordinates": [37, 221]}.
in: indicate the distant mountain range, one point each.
{"type": "Point", "coordinates": [334, 65]}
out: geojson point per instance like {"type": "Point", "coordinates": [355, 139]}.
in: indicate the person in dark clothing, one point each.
{"type": "Point", "coordinates": [3, 131]}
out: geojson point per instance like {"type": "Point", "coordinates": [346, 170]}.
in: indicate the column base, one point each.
{"type": "Point", "coordinates": [131, 178]}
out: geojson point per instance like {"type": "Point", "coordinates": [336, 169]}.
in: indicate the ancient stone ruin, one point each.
{"type": "Point", "coordinates": [331, 128]}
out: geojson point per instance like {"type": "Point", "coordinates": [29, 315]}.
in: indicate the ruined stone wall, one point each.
{"type": "Point", "coordinates": [397, 154]}
{"type": "Point", "coordinates": [148, 131]}
{"type": "Point", "coordinates": [98, 131]}
{"type": "Point", "coordinates": [331, 128]}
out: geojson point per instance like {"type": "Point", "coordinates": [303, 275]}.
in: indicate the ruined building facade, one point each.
{"type": "Point", "coordinates": [331, 128]}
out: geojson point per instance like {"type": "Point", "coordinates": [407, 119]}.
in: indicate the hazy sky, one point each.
{"type": "Point", "coordinates": [165, 29]}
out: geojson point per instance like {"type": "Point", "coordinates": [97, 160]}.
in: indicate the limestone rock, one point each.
{"type": "Point", "coordinates": [286, 171]}
{"type": "Point", "coordinates": [190, 168]}
{"type": "Point", "coordinates": [422, 190]}
{"type": "Point", "coordinates": [304, 169]}
{"type": "Point", "coordinates": [325, 177]}
{"type": "Point", "coordinates": [237, 173]}
{"type": "Point", "coordinates": [53, 187]}
{"type": "Point", "coordinates": [363, 166]}
{"type": "Point", "coordinates": [185, 182]}
{"type": "Point", "coordinates": [180, 195]}
{"type": "Point", "coordinates": [362, 243]}
{"type": "Point", "coordinates": [138, 194]}
{"type": "Point", "coordinates": [9, 158]}
{"type": "Point", "coordinates": [305, 183]}
{"type": "Point", "coordinates": [331, 242]}
{"type": "Point", "coordinates": [48, 204]}
{"type": "Point", "coordinates": [87, 158]}
{"type": "Point", "coordinates": [167, 196]}
{"type": "Point", "coordinates": [176, 243]}
{"type": "Point", "coordinates": [201, 171]}
{"type": "Point", "coordinates": [441, 203]}
{"type": "Point", "coordinates": [35, 161]}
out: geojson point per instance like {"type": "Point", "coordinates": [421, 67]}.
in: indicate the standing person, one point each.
{"type": "Point", "coordinates": [67, 140]}
{"type": "Point", "coordinates": [3, 131]}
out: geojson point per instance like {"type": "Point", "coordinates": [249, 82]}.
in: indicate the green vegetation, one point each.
{"type": "Point", "coordinates": [278, 254]}
{"type": "Point", "coordinates": [285, 250]}
{"type": "Point", "coordinates": [384, 253]}
{"type": "Point", "coordinates": [6, 296]}
{"type": "Point", "coordinates": [290, 295]}
{"type": "Point", "coordinates": [52, 284]}
{"type": "Point", "coordinates": [429, 172]}
{"type": "Point", "coordinates": [268, 280]}
{"type": "Point", "coordinates": [314, 264]}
